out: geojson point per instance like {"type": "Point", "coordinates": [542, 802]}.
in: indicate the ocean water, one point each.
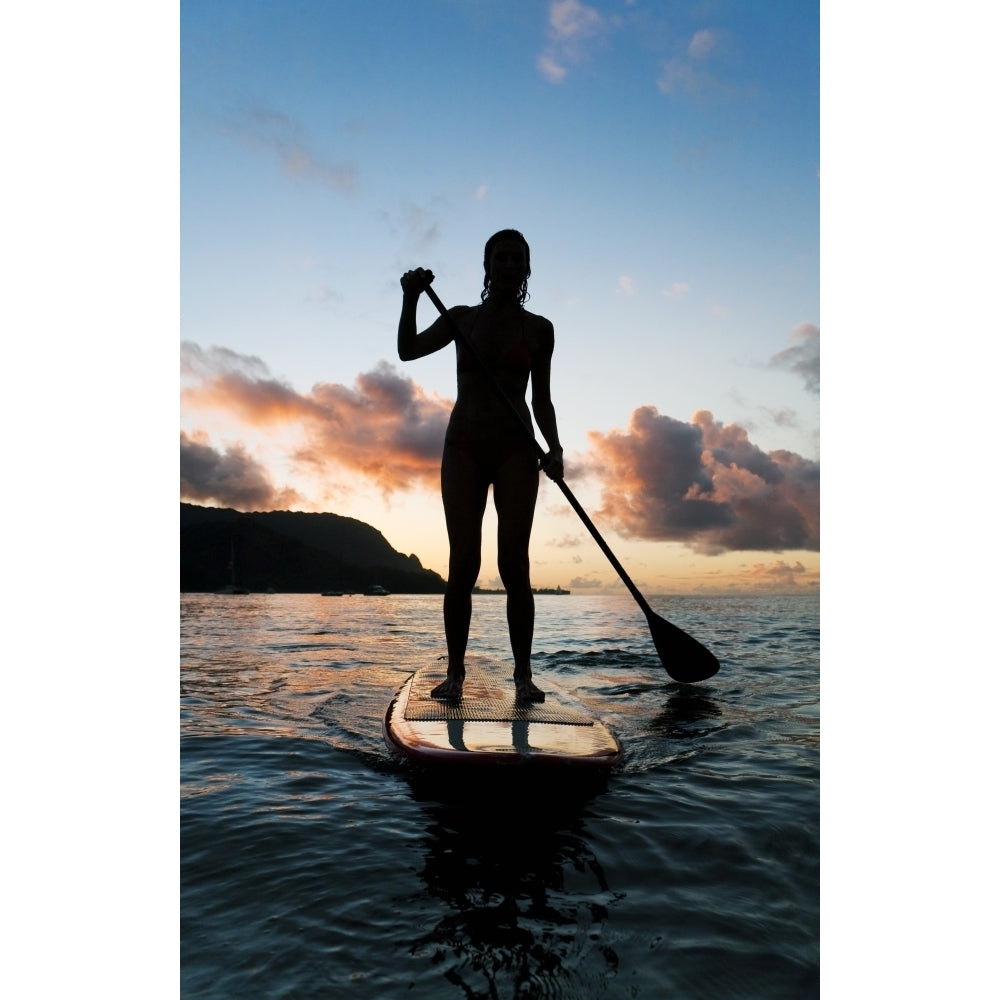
{"type": "Point", "coordinates": [314, 864]}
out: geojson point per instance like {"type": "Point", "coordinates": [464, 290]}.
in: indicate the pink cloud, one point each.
{"type": "Point", "coordinates": [704, 484]}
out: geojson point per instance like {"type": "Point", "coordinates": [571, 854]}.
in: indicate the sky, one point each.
{"type": "Point", "coordinates": [662, 160]}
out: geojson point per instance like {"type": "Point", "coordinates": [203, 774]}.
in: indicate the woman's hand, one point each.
{"type": "Point", "coordinates": [552, 465]}
{"type": "Point", "coordinates": [416, 281]}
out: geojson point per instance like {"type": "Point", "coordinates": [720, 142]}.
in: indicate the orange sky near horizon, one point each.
{"type": "Point", "coordinates": [687, 507]}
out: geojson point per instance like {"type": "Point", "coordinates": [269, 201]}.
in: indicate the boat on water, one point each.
{"type": "Point", "coordinates": [233, 587]}
{"type": "Point", "coordinates": [377, 590]}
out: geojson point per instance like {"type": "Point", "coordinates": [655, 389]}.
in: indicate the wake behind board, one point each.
{"type": "Point", "coordinates": [488, 726]}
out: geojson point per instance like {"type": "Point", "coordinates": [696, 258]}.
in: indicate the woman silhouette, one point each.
{"type": "Point", "coordinates": [485, 445]}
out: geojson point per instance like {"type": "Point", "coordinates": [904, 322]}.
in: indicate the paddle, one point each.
{"type": "Point", "coordinates": [684, 658]}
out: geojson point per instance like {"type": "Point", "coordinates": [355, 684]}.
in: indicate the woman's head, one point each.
{"type": "Point", "coordinates": [507, 259]}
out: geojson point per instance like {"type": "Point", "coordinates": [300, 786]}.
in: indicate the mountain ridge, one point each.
{"type": "Point", "coordinates": [292, 552]}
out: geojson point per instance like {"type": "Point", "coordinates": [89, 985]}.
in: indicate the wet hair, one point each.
{"type": "Point", "coordinates": [506, 234]}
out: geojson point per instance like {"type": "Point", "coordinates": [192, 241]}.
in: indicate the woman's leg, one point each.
{"type": "Point", "coordinates": [464, 496]}
{"type": "Point", "coordinates": [515, 490]}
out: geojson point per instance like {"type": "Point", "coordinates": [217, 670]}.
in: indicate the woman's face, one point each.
{"type": "Point", "coordinates": [508, 265]}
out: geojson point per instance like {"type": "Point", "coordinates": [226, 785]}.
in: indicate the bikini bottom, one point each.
{"type": "Point", "coordinates": [489, 456]}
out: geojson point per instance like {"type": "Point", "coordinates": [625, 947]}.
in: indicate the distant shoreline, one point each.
{"type": "Point", "coordinates": [534, 590]}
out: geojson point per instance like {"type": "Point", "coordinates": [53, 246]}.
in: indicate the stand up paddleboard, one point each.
{"type": "Point", "coordinates": [488, 726]}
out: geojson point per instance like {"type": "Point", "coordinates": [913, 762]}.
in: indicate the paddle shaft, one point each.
{"type": "Point", "coordinates": [540, 451]}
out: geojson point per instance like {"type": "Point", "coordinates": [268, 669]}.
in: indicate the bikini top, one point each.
{"type": "Point", "coordinates": [516, 359]}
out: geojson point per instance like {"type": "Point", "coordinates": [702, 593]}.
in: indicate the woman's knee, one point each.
{"type": "Point", "coordinates": [463, 571]}
{"type": "Point", "coordinates": [514, 570]}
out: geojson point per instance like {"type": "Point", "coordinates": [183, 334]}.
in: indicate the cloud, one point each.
{"type": "Point", "coordinates": [676, 290]}
{"type": "Point", "coordinates": [322, 292]}
{"type": "Point", "coordinates": [573, 26]}
{"type": "Point", "coordinates": [705, 485]}
{"type": "Point", "coordinates": [241, 385]}
{"type": "Point", "coordinates": [550, 69]}
{"type": "Point", "coordinates": [421, 227]}
{"type": "Point", "coordinates": [702, 43]}
{"type": "Point", "coordinates": [802, 357]}
{"type": "Point", "coordinates": [781, 418]}
{"type": "Point", "coordinates": [415, 228]}
{"type": "Point", "coordinates": [231, 477]}
{"type": "Point", "coordinates": [566, 542]}
{"type": "Point", "coordinates": [384, 428]}
{"type": "Point", "coordinates": [677, 76]}
{"type": "Point", "coordinates": [283, 137]}
{"type": "Point", "coordinates": [688, 75]}
{"type": "Point", "coordinates": [780, 575]}
{"type": "Point", "coordinates": [571, 19]}
{"type": "Point", "coordinates": [199, 363]}
{"type": "Point", "coordinates": [626, 285]}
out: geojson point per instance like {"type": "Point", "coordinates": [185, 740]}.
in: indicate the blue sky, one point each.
{"type": "Point", "coordinates": [662, 161]}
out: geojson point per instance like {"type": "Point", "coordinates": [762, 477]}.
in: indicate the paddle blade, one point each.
{"type": "Point", "coordinates": [685, 659]}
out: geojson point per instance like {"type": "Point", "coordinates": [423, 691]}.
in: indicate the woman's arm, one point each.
{"type": "Point", "coordinates": [541, 401]}
{"type": "Point", "coordinates": [409, 343]}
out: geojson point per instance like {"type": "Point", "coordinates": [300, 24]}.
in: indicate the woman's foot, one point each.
{"type": "Point", "coordinates": [527, 691]}
{"type": "Point", "coordinates": [450, 689]}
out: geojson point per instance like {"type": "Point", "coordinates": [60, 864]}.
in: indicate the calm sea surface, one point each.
{"type": "Point", "coordinates": [316, 865]}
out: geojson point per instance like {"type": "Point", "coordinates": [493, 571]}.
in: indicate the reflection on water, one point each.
{"type": "Point", "coordinates": [525, 896]}
{"type": "Point", "coordinates": [688, 715]}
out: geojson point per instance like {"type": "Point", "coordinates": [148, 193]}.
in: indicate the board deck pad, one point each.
{"type": "Point", "coordinates": [487, 696]}
{"type": "Point", "coordinates": [489, 726]}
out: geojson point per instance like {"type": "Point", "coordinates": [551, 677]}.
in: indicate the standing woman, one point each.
{"type": "Point", "coordinates": [485, 445]}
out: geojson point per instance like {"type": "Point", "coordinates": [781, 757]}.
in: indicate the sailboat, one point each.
{"type": "Point", "coordinates": [232, 588]}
